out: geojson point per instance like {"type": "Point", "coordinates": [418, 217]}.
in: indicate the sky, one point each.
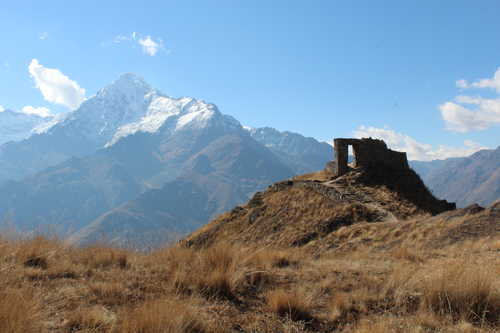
{"type": "Point", "coordinates": [422, 75]}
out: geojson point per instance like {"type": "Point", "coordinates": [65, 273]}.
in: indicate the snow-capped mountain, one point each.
{"type": "Point", "coordinates": [98, 118]}
{"type": "Point", "coordinates": [133, 161]}
{"type": "Point", "coordinates": [127, 106]}
{"type": "Point", "coordinates": [182, 114]}
{"type": "Point", "coordinates": [16, 126]}
{"type": "Point", "coordinates": [130, 105]}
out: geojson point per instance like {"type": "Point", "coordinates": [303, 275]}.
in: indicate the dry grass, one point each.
{"type": "Point", "coordinates": [465, 291]}
{"type": "Point", "coordinates": [294, 305]}
{"type": "Point", "coordinates": [95, 319]}
{"type": "Point", "coordinates": [162, 316]}
{"type": "Point", "coordinates": [19, 311]}
{"type": "Point", "coordinates": [321, 175]}
{"type": "Point", "coordinates": [393, 283]}
{"type": "Point", "coordinates": [209, 272]}
{"type": "Point", "coordinates": [101, 257]}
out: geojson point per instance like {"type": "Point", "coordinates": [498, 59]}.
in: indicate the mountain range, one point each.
{"type": "Point", "coordinates": [16, 126]}
{"type": "Point", "coordinates": [132, 160]}
{"type": "Point", "coordinates": [464, 180]}
{"type": "Point", "coordinates": [134, 166]}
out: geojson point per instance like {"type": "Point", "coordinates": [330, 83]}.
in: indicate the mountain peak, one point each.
{"type": "Point", "coordinates": [131, 78]}
{"type": "Point", "coordinates": [128, 84]}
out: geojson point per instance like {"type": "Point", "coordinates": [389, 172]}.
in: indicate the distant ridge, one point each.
{"type": "Point", "coordinates": [465, 180]}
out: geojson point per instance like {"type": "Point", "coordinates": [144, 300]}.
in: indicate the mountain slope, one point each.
{"type": "Point", "coordinates": [64, 198]}
{"type": "Point", "coordinates": [302, 154]}
{"type": "Point", "coordinates": [214, 180]}
{"type": "Point", "coordinates": [16, 126]}
{"type": "Point", "coordinates": [467, 180]}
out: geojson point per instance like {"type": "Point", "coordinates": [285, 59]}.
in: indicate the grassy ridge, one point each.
{"type": "Point", "coordinates": [50, 287]}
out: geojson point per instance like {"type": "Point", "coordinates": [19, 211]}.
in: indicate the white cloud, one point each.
{"type": "Point", "coordinates": [40, 111]}
{"type": "Point", "coordinates": [43, 35]}
{"type": "Point", "coordinates": [462, 84]}
{"type": "Point", "coordinates": [492, 83]}
{"type": "Point", "coordinates": [469, 113]}
{"type": "Point", "coordinates": [473, 113]}
{"type": "Point", "coordinates": [416, 150]}
{"type": "Point", "coordinates": [149, 45]}
{"type": "Point", "coordinates": [2, 109]}
{"type": "Point", "coordinates": [55, 86]}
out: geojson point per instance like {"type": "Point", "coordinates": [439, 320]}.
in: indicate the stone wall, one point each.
{"type": "Point", "coordinates": [368, 153]}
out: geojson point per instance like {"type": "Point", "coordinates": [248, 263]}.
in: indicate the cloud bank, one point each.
{"type": "Point", "coordinates": [414, 149]}
{"type": "Point", "coordinates": [38, 111]}
{"type": "Point", "coordinates": [31, 110]}
{"type": "Point", "coordinates": [473, 113]}
{"type": "Point", "coordinates": [55, 86]}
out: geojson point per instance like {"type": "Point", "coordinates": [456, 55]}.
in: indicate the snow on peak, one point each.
{"type": "Point", "coordinates": [47, 125]}
{"type": "Point", "coordinates": [128, 85]}
{"type": "Point", "coordinates": [159, 110]}
{"type": "Point", "coordinates": [130, 105]}
{"type": "Point", "coordinates": [197, 116]}
{"type": "Point", "coordinates": [183, 114]}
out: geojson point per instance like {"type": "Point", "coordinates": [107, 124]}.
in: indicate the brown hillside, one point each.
{"type": "Point", "coordinates": [308, 211]}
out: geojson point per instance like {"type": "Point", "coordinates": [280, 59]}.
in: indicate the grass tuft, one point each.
{"type": "Point", "coordinates": [295, 306]}
{"type": "Point", "coordinates": [162, 316]}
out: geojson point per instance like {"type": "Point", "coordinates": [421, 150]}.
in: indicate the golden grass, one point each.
{"type": "Point", "coordinates": [409, 287]}
{"type": "Point", "coordinates": [95, 319]}
{"type": "Point", "coordinates": [103, 257]}
{"type": "Point", "coordinates": [161, 316]}
{"type": "Point", "coordinates": [19, 311]}
{"type": "Point", "coordinates": [465, 291]}
{"type": "Point", "coordinates": [321, 175]}
{"type": "Point", "coordinates": [209, 271]}
{"type": "Point", "coordinates": [294, 305]}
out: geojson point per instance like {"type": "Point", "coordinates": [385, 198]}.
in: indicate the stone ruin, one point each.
{"type": "Point", "coordinates": [368, 153]}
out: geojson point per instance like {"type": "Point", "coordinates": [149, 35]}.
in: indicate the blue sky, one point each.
{"type": "Point", "coordinates": [388, 69]}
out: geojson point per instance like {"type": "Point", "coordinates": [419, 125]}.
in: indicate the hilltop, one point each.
{"type": "Point", "coordinates": [305, 210]}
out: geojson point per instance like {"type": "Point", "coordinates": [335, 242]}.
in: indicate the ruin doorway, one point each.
{"type": "Point", "coordinates": [341, 147]}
